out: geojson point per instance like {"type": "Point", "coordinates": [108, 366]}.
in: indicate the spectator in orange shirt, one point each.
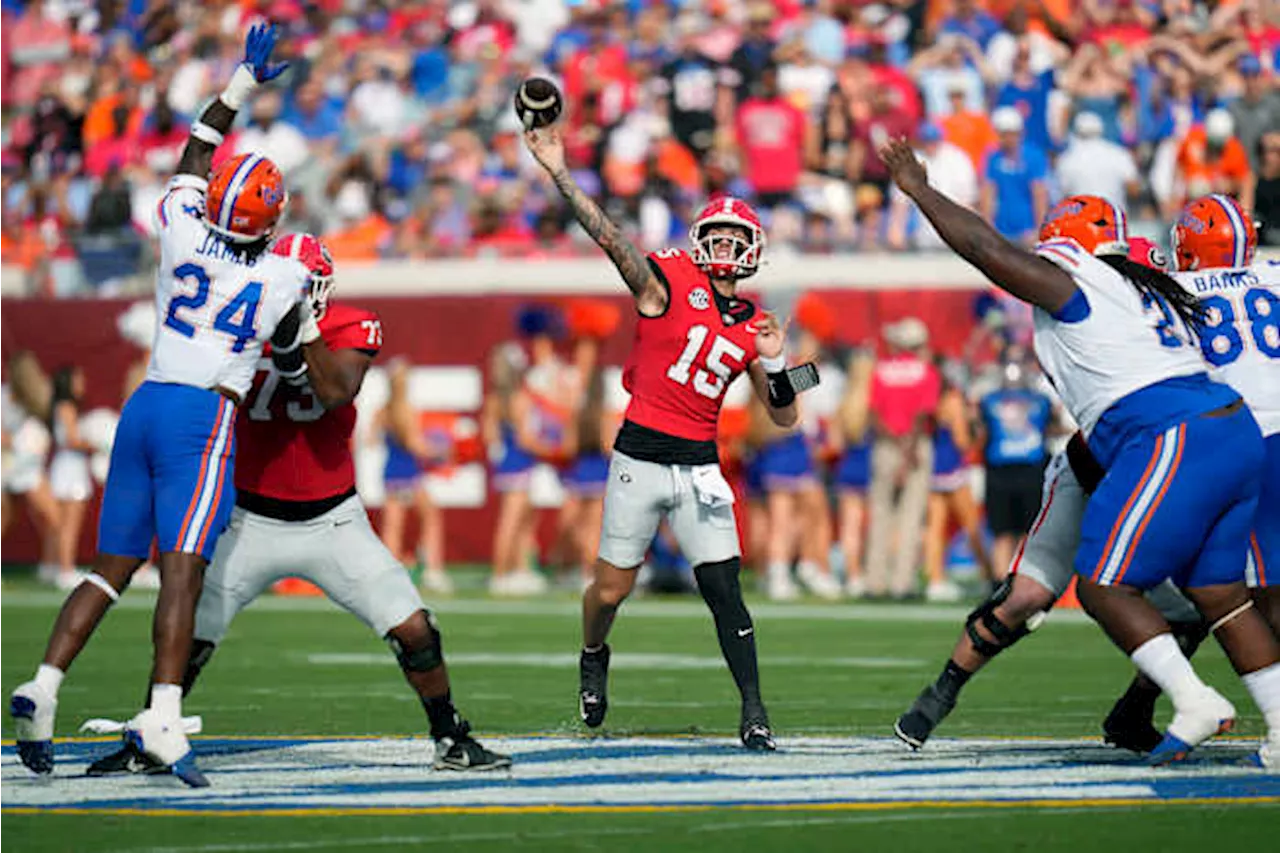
{"type": "Point", "coordinates": [1212, 160]}
{"type": "Point", "coordinates": [968, 130]}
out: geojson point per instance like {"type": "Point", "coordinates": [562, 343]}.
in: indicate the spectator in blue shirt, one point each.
{"type": "Point", "coordinates": [1014, 194]}
{"type": "Point", "coordinates": [1029, 92]}
{"type": "Point", "coordinates": [1014, 426]}
{"type": "Point", "coordinates": [314, 115]}
{"type": "Point", "coordinates": [967, 19]}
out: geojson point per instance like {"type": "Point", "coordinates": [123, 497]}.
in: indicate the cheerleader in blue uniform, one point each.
{"type": "Point", "coordinates": [590, 441]}
{"type": "Point", "coordinates": [853, 474]}
{"type": "Point", "coordinates": [507, 430]}
{"type": "Point", "coordinates": [950, 494]}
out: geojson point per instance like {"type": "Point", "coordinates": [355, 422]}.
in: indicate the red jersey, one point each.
{"type": "Point", "coordinates": [771, 133]}
{"type": "Point", "coordinates": [288, 447]}
{"type": "Point", "coordinates": [682, 362]}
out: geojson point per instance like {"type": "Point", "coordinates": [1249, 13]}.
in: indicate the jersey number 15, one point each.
{"type": "Point", "coordinates": [712, 381]}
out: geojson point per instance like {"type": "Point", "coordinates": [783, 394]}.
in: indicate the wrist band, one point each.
{"type": "Point", "coordinates": [207, 133]}
{"type": "Point", "coordinates": [774, 364]}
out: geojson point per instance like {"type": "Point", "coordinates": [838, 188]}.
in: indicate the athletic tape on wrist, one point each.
{"type": "Point", "coordinates": [239, 88]}
{"type": "Point", "coordinates": [309, 332]}
{"type": "Point", "coordinates": [774, 364]}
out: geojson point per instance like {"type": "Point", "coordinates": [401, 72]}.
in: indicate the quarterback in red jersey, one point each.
{"type": "Point", "coordinates": [297, 514]}
{"type": "Point", "coordinates": [694, 337]}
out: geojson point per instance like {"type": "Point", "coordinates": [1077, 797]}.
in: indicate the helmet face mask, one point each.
{"type": "Point", "coordinates": [727, 239]}
{"type": "Point", "coordinates": [313, 254]}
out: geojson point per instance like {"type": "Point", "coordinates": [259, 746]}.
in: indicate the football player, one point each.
{"type": "Point", "coordinates": [220, 295]}
{"type": "Point", "coordinates": [1039, 574]}
{"type": "Point", "coordinates": [695, 335]}
{"type": "Point", "coordinates": [1118, 340]}
{"type": "Point", "coordinates": [297, 514]}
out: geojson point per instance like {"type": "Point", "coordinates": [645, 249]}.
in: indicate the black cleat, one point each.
{"type": "Point", "coordinates": [460, 751]}
{"type": "Point", "coordinates": [127, 759]}
{"type": "Point", "coordinates": [593, 681]}
{"type": "Point", "coordinates": [757, 737]}
{"type": "Point", "coordinates": [930, 708]}
{"type": "Point", "coordinates": [1129, 725]}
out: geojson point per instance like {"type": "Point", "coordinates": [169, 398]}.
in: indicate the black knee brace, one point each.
{"type": "Point", "coordinates": [425, 658]}
{"type": "Point", "coordinates": [718, 583]}
{"type": "Point", "coordinates": [985, 613]}
{"type": "Point", "coordinates": [201, 653]}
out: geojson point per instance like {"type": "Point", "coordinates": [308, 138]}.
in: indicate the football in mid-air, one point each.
{"type": "Point", "coordinates": [538, 103]}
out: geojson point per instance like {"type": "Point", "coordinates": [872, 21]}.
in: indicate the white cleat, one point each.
{"type": "Point", "coordinates": [33, 710]}
{"type": "Point", "coordinates": [147, 577]}
{"type": "Point", "coordinates": [165, 740]}
{"type": "Point", "coordinates": [436, 581]}
{"type": "Point", "coordinates": [1192, 726]}
{"type": "Point", "coordinates": [781, 587]}
{"type": "Point", "coordinates": [818, 582]}
{"type": "Point", "coordinates": [1268, 755]}
{"type": "Point", "coordinates": [943, 592]}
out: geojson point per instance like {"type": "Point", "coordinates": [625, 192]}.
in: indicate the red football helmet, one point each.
{"type": "Point", "coordinates": [245, 199]}
{"type": "Point", "coordinates": [1145, 252]}
{"type": "Point", "coordinates": [1213, 231]}
{"type": "Point", "coordinates": [314, 255]}
{"type": "Point", "coordinates": [1095, 223]}
{"type": "Point", "coordinates": [726, 255]}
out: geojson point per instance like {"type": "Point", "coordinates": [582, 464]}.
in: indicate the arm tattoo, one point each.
{"type": "Point", "coordinates": [629, 261]}
{"type": "Point", "coordinates": [197, 157]}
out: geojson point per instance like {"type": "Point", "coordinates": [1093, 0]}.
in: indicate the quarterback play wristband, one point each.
{"type": "Point", "coordinates": [241, 86]}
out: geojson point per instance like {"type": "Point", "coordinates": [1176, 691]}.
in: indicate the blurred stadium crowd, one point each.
{"type": "Point", "coordinates": [395, 130]}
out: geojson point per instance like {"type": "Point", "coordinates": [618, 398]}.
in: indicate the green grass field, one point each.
{"type": "Point", "coordinates": [292, 668]}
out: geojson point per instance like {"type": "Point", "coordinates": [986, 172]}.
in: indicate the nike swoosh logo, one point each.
{"type": "Point", "coordinates": [341, 522]}
{"type": "Point", "coordinates": [745, 632]}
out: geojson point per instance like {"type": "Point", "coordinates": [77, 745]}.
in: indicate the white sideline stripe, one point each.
{"type": "Point", "coordinates": [924, 613]}
{"type": "Point", "coordinates": [386, 841]}
{"type": "Point", "coordinates": [622, 659]}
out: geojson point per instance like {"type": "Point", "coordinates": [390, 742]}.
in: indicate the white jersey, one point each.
{"type": "Point", "coordinates": [1111, 345]}
{"type": "Point", "coordinates": [1241, 337]}
{"type": "Point", "coordinates": [215, 308]}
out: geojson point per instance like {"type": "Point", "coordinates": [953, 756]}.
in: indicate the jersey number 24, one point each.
{"type": "Point", "coordinates": [238, 318]}
{"type": "Point", "coordinates": [712, 381]}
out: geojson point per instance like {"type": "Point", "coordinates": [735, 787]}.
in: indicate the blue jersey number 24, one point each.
{"type": "Point", "coordinates": [237, 318]}
{"type": "Point", "coordinates": [1231, 323]}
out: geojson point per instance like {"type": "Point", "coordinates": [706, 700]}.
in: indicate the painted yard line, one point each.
{"type": "Point", "coordinates": [625, 660]}
{"type": "Point", "coordinates": [656, 609]}
{"type": "Point", "coordinates": [657, 808]}
{"type": "Point", "coordinates": [388, 841]}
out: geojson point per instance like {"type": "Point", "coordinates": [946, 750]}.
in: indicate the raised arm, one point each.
{"type": "Point", "coordinates": [211, 127]}
{"type": "Point", "coordinates": [768, 373]}
{"type": "Point", "coordinates": [650, 295]}
{"type": "Point", "coordinates": [1026, 276]}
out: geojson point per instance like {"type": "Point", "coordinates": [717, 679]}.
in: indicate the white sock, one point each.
{"type": "Point", "coordinates": [1163, 662]}
{"type": "Point", "coordinates": [1264, 687]}
{"type": "Point", "coordinates": [166, 699]}
{"type": "Point", "coordinates": [49, 678]}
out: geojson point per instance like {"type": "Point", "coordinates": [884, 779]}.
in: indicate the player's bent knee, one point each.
{"type": "Point", "coordinates": [421, 652]}
{"type": "Point", "coordinates": [719, 581]}
{"type": "Point", "coordinates": [1025, 599]}
{"type": "Point", "coordinates": [990, 634]}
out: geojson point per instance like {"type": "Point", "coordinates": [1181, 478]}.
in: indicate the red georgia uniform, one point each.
{"type": "Point", "coordinates": [682, 362]}
{"type": "Point", "coordinates": [289, 447]}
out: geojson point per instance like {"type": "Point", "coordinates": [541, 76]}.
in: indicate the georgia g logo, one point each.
{"type": "Point", "coordinates": [700, 299]}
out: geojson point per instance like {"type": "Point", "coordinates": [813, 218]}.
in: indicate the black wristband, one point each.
{"type": "Point", "coordinates": [290, 364]}
{"type": "Point", "coordinates": [781, 392]}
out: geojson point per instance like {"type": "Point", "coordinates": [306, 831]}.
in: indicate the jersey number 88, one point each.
{"type": "Point", "coordinates": [1230, 324]}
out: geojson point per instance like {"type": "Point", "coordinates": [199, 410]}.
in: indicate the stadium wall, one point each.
{"type": "Point", "coordinates": [462, 311]}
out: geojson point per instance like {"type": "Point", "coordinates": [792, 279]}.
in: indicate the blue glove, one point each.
{"type": "Point", "coordinates": [258, 45]}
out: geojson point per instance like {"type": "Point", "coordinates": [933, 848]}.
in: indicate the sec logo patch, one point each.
{"type": "Point", "coordinates": [700, 299]}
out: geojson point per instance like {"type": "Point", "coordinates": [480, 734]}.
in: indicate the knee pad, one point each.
{"type": "Point", "coordinates": [718, 583]}
{"type": "Point", "coordinates": [422, 659]}
{"type": "Point", "coordinates": [201, 654]}
{"type": "Point", "coordinates": [985, 613]}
